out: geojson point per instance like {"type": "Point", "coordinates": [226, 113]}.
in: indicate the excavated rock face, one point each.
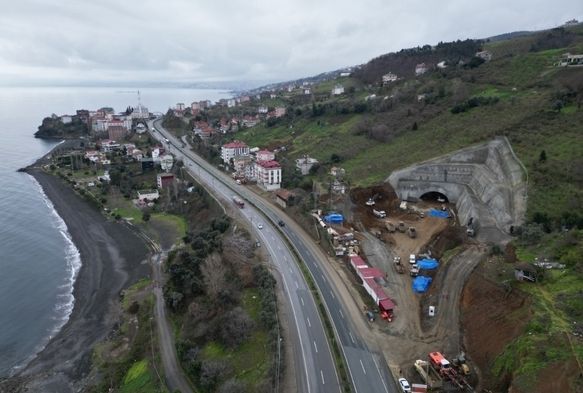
{"type": "Point", "coordinates": [486, 182]}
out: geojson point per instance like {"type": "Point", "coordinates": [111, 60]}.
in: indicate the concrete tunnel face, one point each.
{"type": "Point", "coordinates": [434, 196]}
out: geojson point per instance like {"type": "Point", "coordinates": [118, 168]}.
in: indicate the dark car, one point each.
{"type": "Point", "coordinates": [281, 223]}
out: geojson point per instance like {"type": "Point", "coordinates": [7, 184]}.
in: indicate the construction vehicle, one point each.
{"type": "Point", "coordinates": [424, 371]}
{"type": "Point", "coordinates": [390, 227]}
{"type": "Point", "coordinates": [414, 270]}
{"type": "Point", "coordinates": [397, 264]}
{"type": "Point", "coordinates": [446, 371]}
{"type": "Point", "coordinates": [379, 213]}
{"type": "Point", "coordinates": [460, 363]}
{"type": "Point", "coordinates": [402, 227]}
{"type": "Point", "coordinates": [472, 227]}
{"type": "Point", "coordinates": [412, 232]}
{"type": "Point", "coordinates": [238, 201]}
{"type": "Point", "coordinates": [370, 202]}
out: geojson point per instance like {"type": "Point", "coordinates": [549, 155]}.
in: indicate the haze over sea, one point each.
{"type": "Point", "coordinates": [38, 261]}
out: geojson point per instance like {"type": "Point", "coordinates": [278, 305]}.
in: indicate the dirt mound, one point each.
{"type": "Point", "coordinates": [449, 239]}
{"type": "Point", "coordinates": [492, 317]}
{"type": "Point", "coordinates": [555, 378]}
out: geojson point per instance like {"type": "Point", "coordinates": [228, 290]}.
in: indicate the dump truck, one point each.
{"type": "Point", "coordinates": [445, 369]}
{"type": "Point", "coordinates": [397, 264]}
{"type": "Point", "coordinates": [402, 227]}
{"type": "Point", "coordinates": [412, 232]}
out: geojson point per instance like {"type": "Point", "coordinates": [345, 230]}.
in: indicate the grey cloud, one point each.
{"type": "Point", "coordinates": [182, 40]}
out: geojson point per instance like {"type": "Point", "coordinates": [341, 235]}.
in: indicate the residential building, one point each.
{"type": "Point", "coordinates": [231, 103]}
{"type": "Point", "coordinates": [137, 155]}
{"type": "Point", "coordinates": [232, 150]}
{"type": "Point", "coordinates": [107, 146]}
{"type": "Point", "coordinates": [305, 163]}
{"type": "Point", "coordinates": [164, 180]}
{"type": "Point", "coordinates": [484, 55]}
{"type": "Point", "coordinates": [421, 69]}
{"type": "Point", "coordinates": [388, 78]}
{"type": "Point", "coordinates": [148, 195]}
{"type": "Point", "coordinates": [265, 155]}
{"type": "Point", "coordinates": [307, 91]}
{"type": "Point", "coordinates": [337, 171]}
{"type": "Point", "coordinates": [117, 133]}
{"type": "Point", "coordinates": [268, 174]}
{"type": "Point", "coordinates": [338, 90]}
{"type": "Point", "coordinates": [166, 162]}
{"type": "Point", "coordinates": [249, 121]}
{"type": "Point", "coordinates": [66, 119]}
{"type": "Point", "coordinates": [180, 107]}
{"type": "Point", "coordinates": [129, 148]}
{"type": "Point", "coordinates": [280, 111]}
{"type": "Point", "coordinates": [262, 110]}
{"type": "Point", "coordinates": [568, 59]}
{"type": "Point", "coordinates": [441, 65]}
{"type": "Point", "coordinates": [338, 187]}
{"type": "Point", "coordinates": [195, 107]}
{"type": "Point", "coordinates": [284, 198]}
{"type": "Point", "coordinates": [244, 167]}
{"type": "Point", "coordinates": [344, 74]}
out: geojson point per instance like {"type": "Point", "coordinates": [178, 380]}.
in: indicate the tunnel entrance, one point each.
{"type": "Point", "coordinates": [434, 196]}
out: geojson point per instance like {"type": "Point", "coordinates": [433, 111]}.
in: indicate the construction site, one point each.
{"type": "Point", "coordinates": [406, 250]}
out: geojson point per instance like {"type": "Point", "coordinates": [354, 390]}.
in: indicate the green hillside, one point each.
{"type": "Point", "coordinates": [522, 94]}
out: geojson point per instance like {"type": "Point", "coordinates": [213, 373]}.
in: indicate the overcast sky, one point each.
{"type": "Point", "coordinates": [76, 41]}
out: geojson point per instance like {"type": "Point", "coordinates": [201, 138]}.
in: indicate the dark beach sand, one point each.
{"type": "Point", "coordinates": [113, 257]}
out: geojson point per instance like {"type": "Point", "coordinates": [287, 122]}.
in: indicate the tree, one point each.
{"type": "Point", "coordinates": [415, 126]}
{"type": "Point", "coordinates": [543, 156]}
{"type": "Point", "coordinates": [146, 216]}
{"type": "Point", "coordinates": [236, 327]}
{"type": "Point", "coordinates": [214, 275]}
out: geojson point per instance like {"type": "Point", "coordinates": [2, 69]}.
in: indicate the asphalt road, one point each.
{"type": "Point", "coordinates": [315, 367]}
{"type": "Point", "coordinates": [367, 369]}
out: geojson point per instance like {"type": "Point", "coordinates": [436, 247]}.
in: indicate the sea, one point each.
{"type": "Point", "coordinates": [38, 260]}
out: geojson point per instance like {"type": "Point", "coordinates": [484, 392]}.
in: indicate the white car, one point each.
{"type": "Point", "coordinates": [260, 226]}
{"type": "Point", "coordinates": [404, 385]}
{"type": "Point", "coordinates": [412, 259]}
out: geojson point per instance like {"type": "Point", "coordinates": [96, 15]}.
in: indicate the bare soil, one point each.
{"type": "Point", "coordinates": [492, 316]}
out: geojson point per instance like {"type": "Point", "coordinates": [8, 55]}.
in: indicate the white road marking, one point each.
{"type": "Point", "coordinates": [322, 375]}
{"type": "Point", "coordinates": [342, 315]}
{"type": "Point", "coordinates": [362, 365]}
{"type": "Point", "coordinates": [351, 338]}
{"type": "Point", "coordinates": [323, 278]}
{"type": "Point", "coordinates": [315, 347]}
{"type": "Point", "coordinates": [290, 270]}
{"type": "Point", "coordinates": [380, 375]}
{"type": "Point", "coordinates": [332, 293]}
{"type": "Point", "coordinates": [309, 323]}
{"type": "Point", "coordinates": [297, 285]}
{"type": "Point", "coordinates": [302, 300]}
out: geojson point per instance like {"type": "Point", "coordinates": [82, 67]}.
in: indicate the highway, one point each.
{"type": "Point", "coordinates": [367, 369]}
{"type": "Point", "coordinates": [315, 369]}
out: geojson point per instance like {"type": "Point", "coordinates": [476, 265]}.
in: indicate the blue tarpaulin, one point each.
{"type": "Point", "coordinates": [438, 213]}
{"type": "Point", "coordinates": [421, 284]}
{"type": "Point", "coordinates": [428, 264]}
{"type": "Point", "coordinates": [334, 218]}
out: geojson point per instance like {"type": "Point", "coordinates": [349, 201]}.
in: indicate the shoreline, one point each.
{"type": "Point", "coordinates": [113, 257]}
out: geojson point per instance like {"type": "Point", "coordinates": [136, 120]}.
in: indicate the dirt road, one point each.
{"type": "Point", "coordinates": [175, 379]}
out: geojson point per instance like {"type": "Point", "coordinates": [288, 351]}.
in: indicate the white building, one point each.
{"type": "Point", "coordinates": [166, 162]}
{"type": "Point", "coordinates": [421, 69]}
{"type": "Point", "coordinates": [148, 195]}
{"type": "Point", "coordinates": [305, 163]}
{"type": "Point", "coordinates": [233, 149]}
{"type": "Point", "coordinates": [262, 110]}
{"type": "Point", "coordinates": [337, 90]}
{"type": "Point", "coordinates": [141, 112]}
{"type": "Point", "coordinates": [268, 174]}
{"type": "Point", "coordinates": [388, 78]}
{"type": "Point", "coordinates": [66, 119]}
{"type": "Point", "coordinates": [231, 103]}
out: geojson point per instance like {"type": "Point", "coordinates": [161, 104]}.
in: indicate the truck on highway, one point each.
{"type": "Point", "coordinates": [238, 201]}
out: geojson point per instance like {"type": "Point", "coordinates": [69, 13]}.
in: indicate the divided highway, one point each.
{"type": "Point", "coordinates": [315, 370]}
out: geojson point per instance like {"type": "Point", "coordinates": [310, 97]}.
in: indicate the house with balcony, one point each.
{"type": "Point", "coordinates": [232, 150]}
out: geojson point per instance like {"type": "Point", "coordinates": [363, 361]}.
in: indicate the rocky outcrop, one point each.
{"type": "Point", "coordinates": [486, 182]}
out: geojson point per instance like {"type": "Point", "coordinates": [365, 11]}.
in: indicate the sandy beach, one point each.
{"type": "Point", "coordinates": [113, 257]}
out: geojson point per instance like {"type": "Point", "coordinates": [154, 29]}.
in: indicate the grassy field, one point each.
{"type": "Point", "coordinates": [139, 379]}
{"type": "Point", "coordinates": [249, 361]}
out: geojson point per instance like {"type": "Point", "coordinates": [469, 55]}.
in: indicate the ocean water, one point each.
{"type": "Point", "coordinates": [38, 260]}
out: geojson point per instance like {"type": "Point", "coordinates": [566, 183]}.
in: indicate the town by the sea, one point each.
{"type": "Point", "coordinates": [38, 261]}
